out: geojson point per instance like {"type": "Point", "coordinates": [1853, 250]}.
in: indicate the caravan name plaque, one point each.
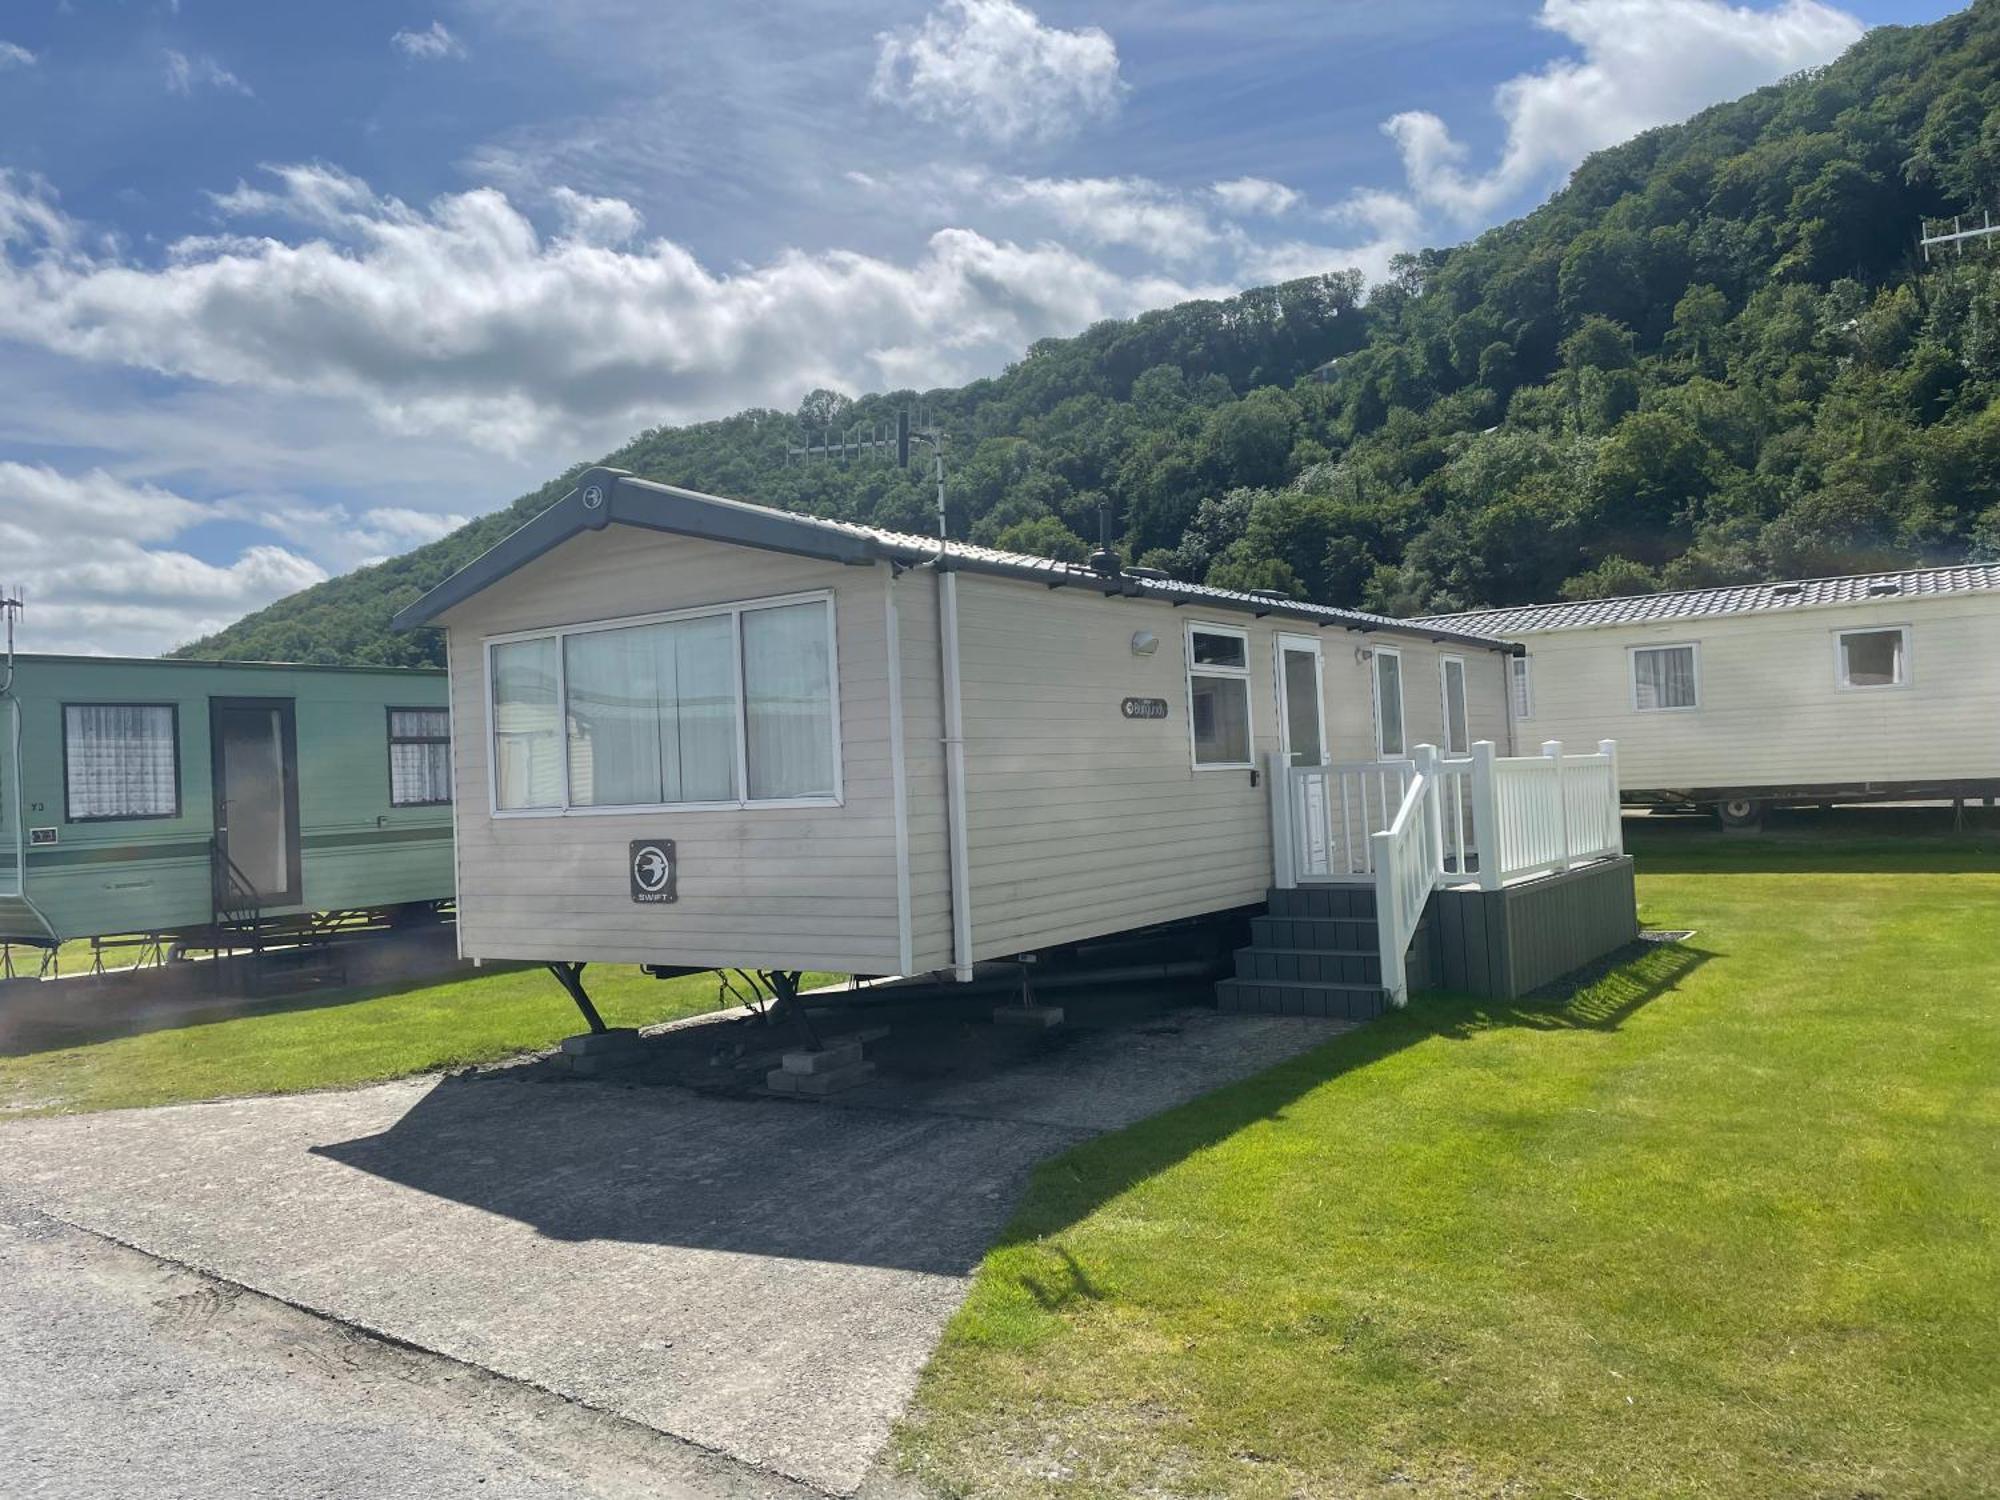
{"type": "Point", "coordinates": [1144, 708]}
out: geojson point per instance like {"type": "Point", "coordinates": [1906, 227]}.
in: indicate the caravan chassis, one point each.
{"type": "Point", "coordinates": [1745, 806]}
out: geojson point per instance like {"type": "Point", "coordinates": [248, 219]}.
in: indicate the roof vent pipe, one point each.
{"type": "Point", "coordinates": [1104, 562]}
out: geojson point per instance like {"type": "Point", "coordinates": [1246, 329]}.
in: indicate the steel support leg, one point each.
{"type": "Point", "coordinates": [785, 995]}
{"type": "Point", "coordinates": [570, 977]}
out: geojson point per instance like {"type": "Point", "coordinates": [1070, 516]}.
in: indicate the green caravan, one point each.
{"type": "Point", "coordinates": [177, 797]}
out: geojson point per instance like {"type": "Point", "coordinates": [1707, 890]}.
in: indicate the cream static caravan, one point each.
{"type": "Point", "coordinates": [700, 733]}
{"type": "Point", "coordinates": [1873, 687]}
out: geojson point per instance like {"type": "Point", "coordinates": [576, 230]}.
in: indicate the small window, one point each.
{"type": "Point", "coordinates": [120, 760]}
{"type": "Point", "coordinates": [1524, 688]}
{"type": "Point", "coordinates": [1219, 696]}
{"type": "Point", "coordinates": [1389, 740]}
{"type": "Point", "coordinates": [419, 757]}
{"type": "Point", "coordinates": [1874, 658]}
{"type": "Point", "coordinates": [1457, 733]}
{"type": "Point", "coordinates": [1664, 677]}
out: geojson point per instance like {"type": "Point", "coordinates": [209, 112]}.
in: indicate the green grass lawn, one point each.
{"type": "Point", "coordinates": [332, 1041]}
{"type": "Point", "coordinates": [1726, 1223]}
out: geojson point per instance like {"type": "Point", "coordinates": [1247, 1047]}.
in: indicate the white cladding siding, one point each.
{"type": "Point", "coordinates": [778, 887]}
{"type": "Point", "coordinates": [1772, 712]}
{"type": "Point", "coordinates": [1085, 823]}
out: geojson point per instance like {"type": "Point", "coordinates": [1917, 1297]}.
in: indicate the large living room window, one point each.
{"type": "Point", "coordinates": [732, 706]}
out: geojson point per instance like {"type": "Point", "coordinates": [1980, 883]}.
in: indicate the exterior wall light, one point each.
{"type": "Point", "coordinates": [1144, 643]}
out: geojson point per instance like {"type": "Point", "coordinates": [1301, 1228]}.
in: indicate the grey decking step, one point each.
{"type": "Point", "coordinates": [1326, 934]}
{"type": "Point", "coordinates": [1311, 965]}
{"type": "Point", "coordinates": [1351, 902]}
{"type": "Point", "coordinates": [1348, 1002]}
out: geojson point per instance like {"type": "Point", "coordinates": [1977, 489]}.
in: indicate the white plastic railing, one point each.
{"type": "Point", "coordinates": [1541, 814]}
{"type": "Point", "coordinates": [1408, 861]}
{"type": "Point", "coordinates": [1499, 819]}
{"type": "Point", "coordinates": [1331, 811]}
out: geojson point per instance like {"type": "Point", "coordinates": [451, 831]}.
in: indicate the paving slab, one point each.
{"type": "Point", "coordinates": [761, 1277]}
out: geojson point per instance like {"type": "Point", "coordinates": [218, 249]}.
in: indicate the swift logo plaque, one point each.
{"type": "Point", "coordinates": [654, 870]}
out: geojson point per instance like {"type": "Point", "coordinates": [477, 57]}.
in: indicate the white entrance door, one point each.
{"type": "Point", "coordinates": [1301, 707]}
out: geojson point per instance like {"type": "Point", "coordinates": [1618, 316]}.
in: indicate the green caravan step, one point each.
{"type": "Point", "coordinates": [1346, 902]}
{"type": "Point", "coordinates": [1340, 1002]}
{"type": "Point", "coordinates": [1311, 965]}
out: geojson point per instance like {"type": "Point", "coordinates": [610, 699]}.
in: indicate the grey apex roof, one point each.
{"type": "Point", "coordinates": [1738, 599]}
{"type": "Point", "coordinates": [603, 496]}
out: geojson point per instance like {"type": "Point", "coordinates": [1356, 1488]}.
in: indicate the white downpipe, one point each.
{"type": "Point", "coordinates": [899, 776]}
{"type": "Point", "coordinates": [954, 775]}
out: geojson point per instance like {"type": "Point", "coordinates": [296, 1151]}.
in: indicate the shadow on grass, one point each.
{"type": "Point", "coordinates": [1844, 840]}
{"type": "Point", "coordinates": [1601, 999]}
{"type": "Point", "coordinates": [51, 1015]}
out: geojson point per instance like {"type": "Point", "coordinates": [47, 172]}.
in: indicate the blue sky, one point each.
{"type": "Point", "coordinates": [284, 289]}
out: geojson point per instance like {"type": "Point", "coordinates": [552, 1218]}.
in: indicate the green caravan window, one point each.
{"type": "Point", "coordinates": [419, 757]}
{"type": "Point", "coordinates": [120, 760]}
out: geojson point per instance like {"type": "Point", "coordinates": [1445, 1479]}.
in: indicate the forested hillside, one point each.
{"type": "Point", "coordinates": [1716, 355]}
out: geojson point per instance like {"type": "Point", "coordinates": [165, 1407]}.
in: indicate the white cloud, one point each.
{"type": "Point", "coordinates": [596, 221]}
{"type": "Point", "coordinates": [1643, 63]}
{"type": "Point", "coordinates": [462, 319]}
{"type": "Point", "coordinates": [13, 55]}
{"type": "Point", "coordinates": [1130, 211]}
{"type": "Point", "coordinates": [1380, 226]}
{"type": "Point", "coordinates": [991, 68]}
{"type": "Point", "coordinates": [1244, 196]}
{"type": "Point", "coordinates": [431, 44]}
{"type": "Point", "coordinates": [90, 547]}
{"type": "Point", "coordinates": [186, 74]}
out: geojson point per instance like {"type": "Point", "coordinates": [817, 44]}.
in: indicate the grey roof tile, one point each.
{"type": "Point", "coordinates": [1737, 599]}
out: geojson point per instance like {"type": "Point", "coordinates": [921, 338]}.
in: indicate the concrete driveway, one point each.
{"type": "Point", "coordinates": [760, 1277]}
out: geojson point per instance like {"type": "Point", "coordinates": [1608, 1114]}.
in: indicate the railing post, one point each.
{"type": "Point", "coordinates": [1486, 815]}
{"type": "Point", "coordinates": [1426, 757]}
{"type": "Point", "coordinates": [1284, 864]}
{"type": "Point", "coordinates": [1553, 749]}
{"type": "Point", "coordinates": [1609, 750]}
{"type": "Point", "coordinates": [1389, 918]}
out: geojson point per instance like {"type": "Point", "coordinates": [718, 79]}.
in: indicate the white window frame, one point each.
{"type": "Point", "coordinates": [1204, 627]}
{"type": "Point", "coordinates": [1840, 660]}
{"type": "Point", "coordinates": [1632, 675]}
{"type": "Point", "coordinates": [735, 609]}
{"type": "Point", "coordinates": [1402, 703]}
{"type": "Point", "coordinates": [1521, 675]}
{"type": "Point", "coordinates": [1444, 703]}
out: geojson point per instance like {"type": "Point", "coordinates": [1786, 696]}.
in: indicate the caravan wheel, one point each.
{"type": "Point", "coordinates": [1740, 812]}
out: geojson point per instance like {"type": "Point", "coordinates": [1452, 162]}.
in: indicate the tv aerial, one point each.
{"type": "Point", "coordinates": [891, 440]}
{"type": "Point", "coordinates": [13, 600]}
{"type": "Point", "coordinates": [1957, 237]}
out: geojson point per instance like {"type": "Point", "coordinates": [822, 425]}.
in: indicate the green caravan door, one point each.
{"type": "Point", "coordinates": [254, 743]}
